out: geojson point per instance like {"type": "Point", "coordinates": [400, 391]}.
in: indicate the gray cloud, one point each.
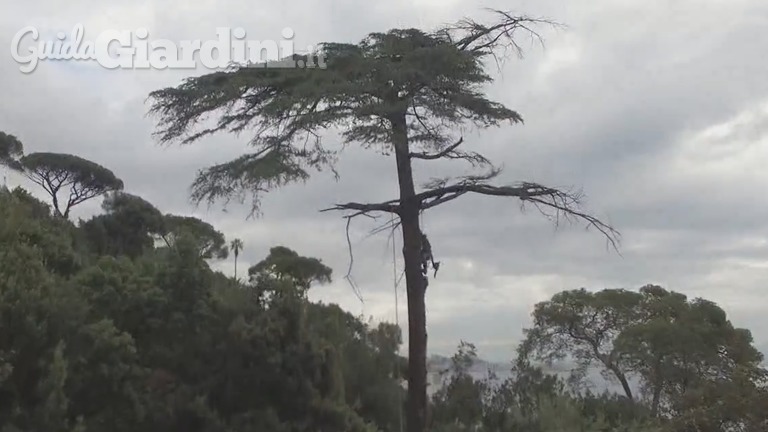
{"type": "Point", "coordinates": [656, 110]}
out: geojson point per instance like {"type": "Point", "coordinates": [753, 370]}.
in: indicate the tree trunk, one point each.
{"type": "Point", "coordinates": [617, 372]}
{"type": "Point", "coordinates": [415, 282]}
{"type": "Point", "coordinates": [56, 209]}
{"type": "Point", "coordinates": [624, 383]}
{"type": "Point", "coordinates": [235, 266]}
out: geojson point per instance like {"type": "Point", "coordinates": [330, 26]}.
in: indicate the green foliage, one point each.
{"type": "Point", "coordinates": [129, 227]}
{"type": "Point", "coordinates": [682, 351]}
{"type": "Point", "coordinates": [11, 149]}
{"type": "Point", "coordinates": [160, 342]}
{"type": "Point", "coordinates": [461, 399]}
{"type": "Point", "coordinates": [284, 265]}
{"type": "Point", "coordinates": [529, 401]}
{"type": "Point", "coordinates": [431, 81]}
{"type": "Point", "coordinates": [36, 208]}
{"type": "Point", "coordinates": [209, 242]}
{"type": "Point", "coordinates": [27, 222]}
{"type": "Point", "coordinates": [236, 245]}
{"type": "Point", "coordinates": [37, 315]}
{"type": "Point", "coordinates": [368, 361]}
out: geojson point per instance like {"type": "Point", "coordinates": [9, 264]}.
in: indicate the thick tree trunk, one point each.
{"type": "Point", "coordinates": [56, 209]}
{"type": "Point", "coordinates": [415, 282]}
{"type": "Point", "coordinates": [617, 372]}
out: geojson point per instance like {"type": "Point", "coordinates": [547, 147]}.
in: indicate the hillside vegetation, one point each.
{"type": "Point", "coordinates": [118, 323]}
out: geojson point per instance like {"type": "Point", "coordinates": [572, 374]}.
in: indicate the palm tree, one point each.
{"type": "Point", "coordinates": [236, 246]}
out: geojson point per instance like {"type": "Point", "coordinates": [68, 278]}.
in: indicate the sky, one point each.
{"type": "Point", "coordinates": [657, 111]}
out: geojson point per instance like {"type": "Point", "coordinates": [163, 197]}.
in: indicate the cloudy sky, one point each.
{"type": "Point", "coordinates": [657, 110]}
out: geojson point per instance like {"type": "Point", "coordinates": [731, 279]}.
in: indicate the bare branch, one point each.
{"type": "Point", "coordinates": [348, 276]}
{"type": "Point", "coordinates": [364, 209]}
{"type": "Point", "coordinates": [551, 202]}
{"type": "Point", "coordinates": [442, 199]}
{"type": "Point", "coordinates": [565, 204]}
{"type": "Point", "coordinates": [478, 37]}
{"type": "Point", "coordinates": [474, 158]}
{"type": "Point", "coordinates": [439, 155]}
{"type": "Point", "coordinates": [437, 183]}
{"type": "Point", "coordinates": [360, 210]}
{"type": "Point", "coordinates": [391, 225]}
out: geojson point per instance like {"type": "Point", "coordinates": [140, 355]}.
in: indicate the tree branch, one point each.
{"type": "Point", "coordinates": [444, 153]}
{"type": "Point", "coordinates": [364, 209]}
{"type": "Point", "coordinates": [478, 37]}
{"type": "Point", "coordinates": [565, 204]}
{"type": "Point", "coordinates": [348, 276]}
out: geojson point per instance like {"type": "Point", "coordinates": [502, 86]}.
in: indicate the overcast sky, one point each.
{"type": "Point", "coordinates": [657, 110]}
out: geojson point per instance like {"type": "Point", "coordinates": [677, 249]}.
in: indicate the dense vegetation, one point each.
{"type": "Point", "coordinates": [103, 329]}
{"type": "Point", "coordinates": [118, 323]}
